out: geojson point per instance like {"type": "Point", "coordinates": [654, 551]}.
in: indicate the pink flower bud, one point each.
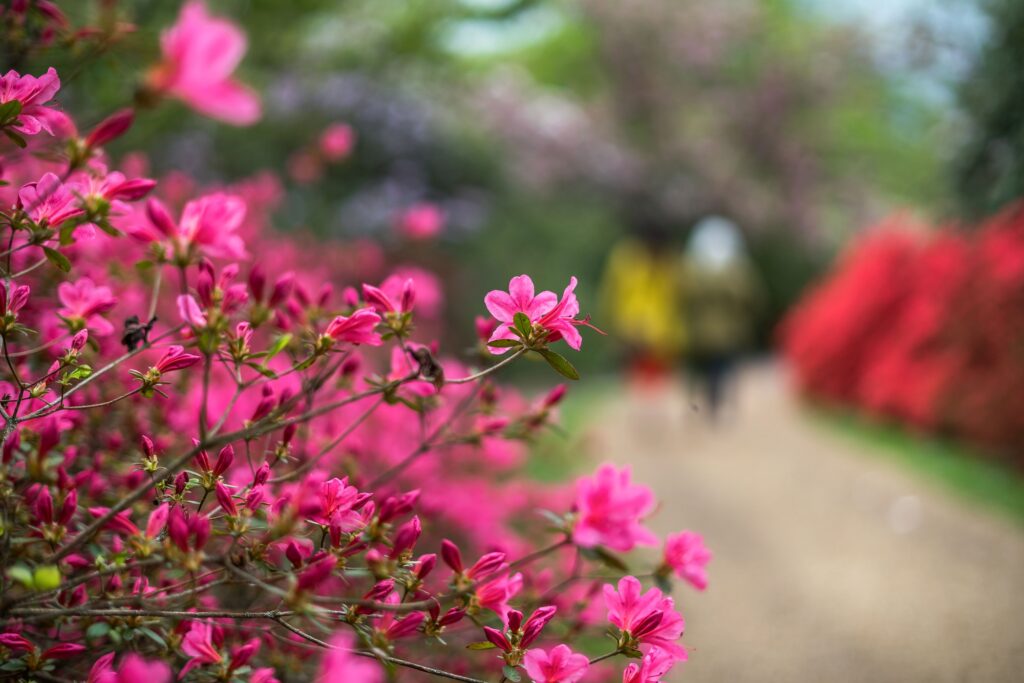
{"type": "Point", "coordinates": [451, 556]}
{"type": "Point", "coordinates": [243, 653]}
{"type": "Point", "coordinates": [486, 565]}
{"type": "Point", "coordinates": [406, 537]}
{"type": "Point", "coordinates": [317, 572]}
{"type": "Point", "coordinates": [224, 460]}
{"type": "Point", "coordinates": [63, 651]}
{"type": "Point", "coordinates": [282, 288]}
{"type": "Point", "coordinates": [498, 638]}
{"type": "Point", "coordinates": [177, 528]}
{"type": "Point", "coordinates": [110, 128]}
{"type": "Point", "coordinates": [200, 528]}
{"type": "Point", "coordinates": [160, 217]}
{"type": "Point", "coordinates": [79, 340]}
{"type": "Point", "coordinates": [224, 499]}
{"type": "Point", "coordinates": [157, 520]}
{"type": "Point", "coordinates": [44, 506]}
{"type": "Point", "coordinates": [405, 626]}
{"type": "Point", "coordinates": [555, 396]}
{"type": "Point", "coordinates": [67, 510]}
{"type": "Point", "coordinates": [425, 564]}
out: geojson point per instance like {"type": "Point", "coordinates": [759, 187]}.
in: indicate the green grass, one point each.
{"type": "Point", "coordinates": [964, 471]}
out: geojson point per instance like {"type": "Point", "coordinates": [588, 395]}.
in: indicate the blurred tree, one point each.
{"type": "Point", "coordinates": [989, 168]}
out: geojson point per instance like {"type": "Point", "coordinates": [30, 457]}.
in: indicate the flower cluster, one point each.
{"type": "Point", "coordinates": [936, 347]}
{"type": "Point", "coordinates": [226, 459]}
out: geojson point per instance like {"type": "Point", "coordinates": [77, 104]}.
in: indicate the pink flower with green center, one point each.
{"type": "Point", "coordinates": [544, 310]}
{"type": "Point", "coordinates": [84, 303]}
{"type": "Point", "coordinates": [33, 93]}
{"type": "Point", "coordinates": [650, 618]}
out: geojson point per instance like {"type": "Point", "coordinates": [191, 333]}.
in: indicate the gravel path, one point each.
{"type": "Point", "coordinates": [829, 565]}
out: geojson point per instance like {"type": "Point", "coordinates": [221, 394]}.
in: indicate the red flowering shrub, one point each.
{"type": "Point", "coordinates": [927, 329]}
{"type": "Point", "coordinates": [224, 461]}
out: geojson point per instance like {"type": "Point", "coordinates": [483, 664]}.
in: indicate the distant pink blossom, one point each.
{"type": "Point", "coordinates": [650, 618]}
{"type": "Point", "coordinates": [357, 328]}
{"type": "Point", "coordinates": [339, 665]}
{"type": "Point", "coordinates": [559, 665]}
{"type": "Point", "coordinates": [33, 93]}
{"type": "Point", "coordinates": [83, 303]}
{"type": "Point", "coordinates": [337, 141]}
{"type": "Point", "coordinates": [544, 310]}
{"type": "Point", "coordinates": [200, 53]}
{"type": "Point", "coordinates": [610, 509]}
{"type": "Point", "coordinates": [686, 554]}
{"type": "Point", "coordinates": [421, 221]}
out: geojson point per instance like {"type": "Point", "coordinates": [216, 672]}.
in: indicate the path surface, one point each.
{"type": "Point", "coordinates": [830, 565]}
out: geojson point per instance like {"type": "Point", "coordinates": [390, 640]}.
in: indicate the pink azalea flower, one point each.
{"type": "Point", "coordinates": [609, 510]}
{"type": "Point", "coordinates": [33, 93]}
{"type": "Point", "coordinates": [198, 644]}
{"type": "Point", "coordinates": [209, 223]}
{"type": "Point", "coordinates": [357, 328]}
{"type": "Point", "coordinates": [421, 221]}
{"type": "Point", "coordinates": [190, 310]}
{"type": "Point", "coordinates": [339, 665]}
{"type": "Point", "coordinates": [337, 141]}
{"type": "Point", "coordinates": [495, 594]}
{"type": "Point", "coordinates": [544, 310]}
{"type": "Point", "coordinates": [200, 53]}
{"type": "Point", "coordinates": [49, 200]}
{"type": "Point", "coordinates": [686, 554]}
{"type": "Point", "coordinates": [559, 665]}
{"type": "Point", "coordinates": [175, 358]}
{"type": "Point", "coordinates": [652, 668]}
{"type": "Point", "coordinates": [135, 669]}
{"type": "Point", "coordinates": [84, 303]}
{"type": "Point", "coordinates": [650, 618]}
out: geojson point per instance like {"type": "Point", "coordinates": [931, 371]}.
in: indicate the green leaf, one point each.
{"type": "Point", "coordinates": [559, 362]}
{"type": "Point", "coordinates": [21, 574]}
{"type": "Point", "coordinates": [279, 345]}
{"type": "Point", "coordinates": [610, 560]}
{"type": "Point", "coordinates": [155, 637]}
{"type": "Point", "coordinates": [97, 630]}
{"type": "Point", "coordinates": [511, 673]}
{"type": "Point", "coordinates": [106, 227]}
{"type": "Point", "coordinates": [481, 645]}
{"type": "Point", "coordinates": [9, 111]}
{"type": "Point", "coordinates": [504, 343]}
{"type": "Point", "coordinates": [523, 324]}
{"type": "Point", "coordinates": [15, 138]}
{"type": "Point", "coordinates": [46, 577]}
{"type": "Point", "coordinates": [266, 372]}
{"type": "Point", "coordinates": [663, 582]}
{"type": "Point", "coordinates": [58, 259]}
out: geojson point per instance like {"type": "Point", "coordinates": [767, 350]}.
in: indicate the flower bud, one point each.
{"type": "Point", "coordinates": [110, 128]}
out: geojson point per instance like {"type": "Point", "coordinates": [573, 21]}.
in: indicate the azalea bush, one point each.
{"type": "Point", "coordinates": [925, 326]}
{"type": "Point", "coordinates": [229, 456]}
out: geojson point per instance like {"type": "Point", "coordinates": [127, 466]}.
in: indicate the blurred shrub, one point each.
{"type": "Point", "coordinates": [923, 326]}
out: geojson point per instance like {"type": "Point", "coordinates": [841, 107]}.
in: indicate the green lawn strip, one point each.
{"type": "Point", "coordinates": [963, 470]}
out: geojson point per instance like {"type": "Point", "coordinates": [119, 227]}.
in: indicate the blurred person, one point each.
{"type": "Point", "coordinates": [642, 295]}
{"type": "Point", "coordinates": [720, 307]}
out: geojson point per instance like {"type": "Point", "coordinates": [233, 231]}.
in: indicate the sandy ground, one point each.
{"type": "Point", "coordinates": [830, 565]}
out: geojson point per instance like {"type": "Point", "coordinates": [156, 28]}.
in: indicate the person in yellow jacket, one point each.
{"type": "Point", "coordinates": [642, 301]}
